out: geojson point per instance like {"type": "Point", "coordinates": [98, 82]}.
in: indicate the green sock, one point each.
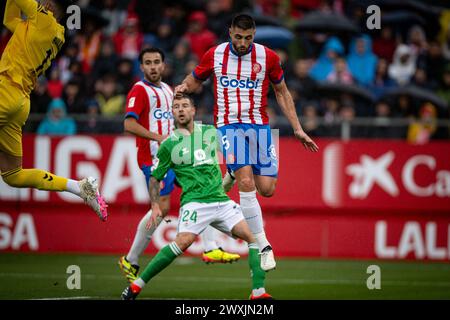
{"type": "Point", "coordinates": [254, 261]}
{"type": "Point", "coordinates": [163, 258]}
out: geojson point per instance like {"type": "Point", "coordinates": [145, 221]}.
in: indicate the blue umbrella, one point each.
{"type": "Point", "coordinates": [274, 37]}
{"type": "Point", "coordinates": [317, 21]}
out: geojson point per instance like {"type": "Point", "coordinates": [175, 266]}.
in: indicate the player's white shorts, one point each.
{"type": "Point", "coordinates": [195, 216]}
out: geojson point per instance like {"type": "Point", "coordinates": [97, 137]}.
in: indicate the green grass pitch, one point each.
{"type": "Point", "coordinates": [39, 276]}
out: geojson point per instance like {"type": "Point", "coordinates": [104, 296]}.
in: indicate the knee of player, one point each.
{"type": "Point", "coordinates": [184, 241]}
{"type": "Point", "coordinates": [13, 179]}
{"type": "Point", "coordinates": [246, 184]}
{"type": "Point", "coordinates": [165, 212]}
{"type": "Point", "coordinates": [267, 193]}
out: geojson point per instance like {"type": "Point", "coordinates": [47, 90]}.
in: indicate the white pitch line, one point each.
{"type": "Point", "coordinates": [402, 283]}
{"type": "Point", "coordinates": [68, 298]}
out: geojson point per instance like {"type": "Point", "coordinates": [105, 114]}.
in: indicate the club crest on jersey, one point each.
{"type": "Point", "coordinates": [256, 67]}
{"type": "Point", "coordinates": [242, 84]}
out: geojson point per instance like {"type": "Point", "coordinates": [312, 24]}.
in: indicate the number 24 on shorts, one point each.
{"type": "Point", "coordinates": [188, 215]}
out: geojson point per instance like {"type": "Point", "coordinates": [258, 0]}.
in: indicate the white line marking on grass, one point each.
{"type": "Point", "coordinates": [68, 298]}
{"type": "Point", "coordinates": [210, 279]}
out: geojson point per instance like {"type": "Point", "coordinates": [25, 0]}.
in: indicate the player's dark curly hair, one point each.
{"type": "Point", "coordinates": [180, 96]}
{"type": "Point", "coordinates": [151, 50]}
{"type": "Point", "coordinates": [243, 21]}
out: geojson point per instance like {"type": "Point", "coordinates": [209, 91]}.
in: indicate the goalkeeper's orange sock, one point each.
{"type": "Point", "coordinates": [34, 178]}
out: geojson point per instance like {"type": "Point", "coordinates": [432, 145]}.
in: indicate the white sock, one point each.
{"type": "Point", "coordinates": [259, 291]}
{"type": "Point", "coordinates": [139, 282]}
{"type": "Point", "coordinates": [253, 215]}
{"type": "Point", "coordinates": [141, 239]}
{"type": "Point", "coordinates": [73, 187]}
{"type": "Point", "coordinates": [209, 236]}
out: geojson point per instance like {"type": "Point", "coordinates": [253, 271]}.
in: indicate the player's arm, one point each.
{"type": "Point", "coordinates": [201, 72]}
{"type": "Point", "coordinates": [286, 104]}
{"type": "Point", "coordinates": [154, 191]}
{"type": "Point", "coordinates": [137, 105]}
{"type": "Point", "coordinates": [132, 126]}
{"type": "Point", "coordinates": [28, 7]}
{"type": "Point", "coordinates": [189, 85]}
{"type": "Point", "coordinates": [163, 163]}
{"type": "Point", "coordinates": [12, 15]}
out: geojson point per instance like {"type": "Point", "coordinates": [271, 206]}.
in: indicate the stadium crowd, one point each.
{"type": "Point", "coordinates": [98, 65]}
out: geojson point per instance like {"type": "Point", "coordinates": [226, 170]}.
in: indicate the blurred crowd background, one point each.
{"type": "Point", "coordinates": [346, 80]}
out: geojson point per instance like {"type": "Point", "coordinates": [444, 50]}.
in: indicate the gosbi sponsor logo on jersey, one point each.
{"type": "Point", "coordinates": [160, 114]}
{"type": "Point", "coordinates": [227, 82]}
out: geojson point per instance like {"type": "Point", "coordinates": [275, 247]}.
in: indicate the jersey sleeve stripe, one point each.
{"type": "Point", "coordinates": [252, 92]}
{"type": "Point", "coordinates": [131, 115]}
{"type": "Point", "coordinates": [238, 91]}
{"type": "Point", "coordinates": [279, 80]}
{"type": "Point", "coordinates": [226, 55]}
{"type": "Point", "coordinates": [196, 76]}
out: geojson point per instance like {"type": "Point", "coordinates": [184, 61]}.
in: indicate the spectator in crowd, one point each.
{"type": "Point", "coordinates": [403, 66]}
{"type": "Point", "coordinates": [417, 41]}
{"type": "Point", "coordinates": [446, 43]}
{"type": "Point", "coordinates": [420, 79]}
{"type": "Point", "coordinates": [218, 18]}
{"type": "Point", "coordinates": [166, 38]}
{"type": "Point", "coordinates": [110, 101]}
{"type": "Point", "coordinates": [305, 85]}
{"type": "Point", "coordinates": [199, 37]}
{"type": "Point", "coordinates": [91, 125]}
{"type": "Point", "coordinates": [55, 85]}
{"type": "Point", "coordinates": [404, 108]}
{"type": "Point", "coordinates": [106, 60]}
{"type": "Point", "coordinates": [129, 39]}
{"type": "Point", "coordinates": [115, 16]}
{"type": "Point", "coordinates": [324, 65]}
{"type": "Point", "coordinates": [384, 46]}
{"type": "Point", "coordinates": [340, 73]}
{"type": "Point", "coordinates": [39, 97]}
{"type": "Point", "coordinates": [73, 97]}
{"type": "Point", "coordinates": [433, 62]}
{"type": "Point", "coordinates": [362, 62]}
{"type": "Point", "coordinates": [125, 76]}
{"type": "Point", "coordinates": [88, 41]}
{"type": "Point", "coordinates": [444, 87]}
{"type": "Point", "coordinates": [179, 59]}
{"type": "Point", "coordinates": [71, 54]}
{"type": "Point", "coordinates": [422, 131]}
{"type": "Point", "coordinates": [382, 127]}
{"type": "Point", "coordinates": [310, 120]}
{"type": "Point", "coordinates": [381, 81]}
{"type": "Point", "coordinates": [56, 122]}
{"type": "Point", "coordinates": [331, 117]}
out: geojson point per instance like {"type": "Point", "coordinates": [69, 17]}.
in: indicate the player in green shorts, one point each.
{"type": "Point", "coordinates": [190, 151]}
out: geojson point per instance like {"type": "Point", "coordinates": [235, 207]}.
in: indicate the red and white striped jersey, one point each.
{"type": "Point", "coordinates": [241, 83]}
{"type": "Point", "coordinates": [152, 107]}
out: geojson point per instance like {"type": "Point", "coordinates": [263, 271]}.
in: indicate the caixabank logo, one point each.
{"type": "Point", "coordinates": [394, 176]}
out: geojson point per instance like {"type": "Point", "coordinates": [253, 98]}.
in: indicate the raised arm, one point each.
{"type": "Point", "coordinates": [28, 7]}
{"type": "Point", "coordinates": [286, 104]}
{"type": "Point", "coordinates": [14, 9]}
{"type": "Point", "coordinates": [194, 80]}
{"type": "Point", "coordinates": [189, 85]}
{"type": "Point", "coordinates": [12, 15]}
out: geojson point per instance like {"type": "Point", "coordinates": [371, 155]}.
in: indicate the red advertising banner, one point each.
{"type": "Point", "coordinates": [361, 174]}
{"type": "Point", "coordinates": [308, 234]}
{"type": "Point", "coordinates": [362, 199]}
